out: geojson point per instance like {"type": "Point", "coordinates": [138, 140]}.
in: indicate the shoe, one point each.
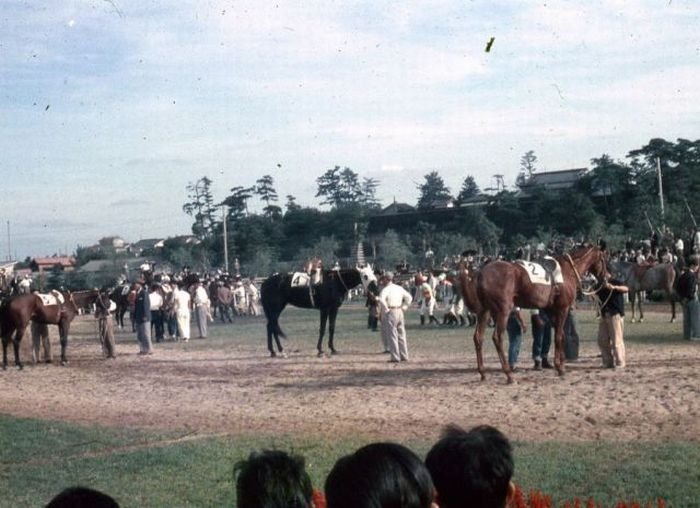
{"type": "Point", "coordinates": [546, 364]}
{"type": "Point", "coordinates": [513, 368]}
{"type": "Point", "coordinates": [538, 365]}
{"type": "Point", "coordinates": [404, 359]}
{"type": "Point", "coordinates": [392, 361]}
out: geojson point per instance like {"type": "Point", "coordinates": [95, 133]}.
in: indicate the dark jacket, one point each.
{"type": "Point", "coordinates": [142, 306]}
{"type": "Point", "coordinates": [612, 302]}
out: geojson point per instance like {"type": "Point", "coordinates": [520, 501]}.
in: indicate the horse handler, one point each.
{"type": "Point", "coordinates": [394, 300]}
{"type": "Point", "coordinates": [611, 326]}
{"type": "Point", "coordinates": [105, 324]}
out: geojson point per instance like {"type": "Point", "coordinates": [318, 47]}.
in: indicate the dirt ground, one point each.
{"type": "Point", "coordinates": [239, 390]}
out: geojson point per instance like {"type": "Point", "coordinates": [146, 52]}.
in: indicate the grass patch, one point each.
{"type": "Point", "coordinates": [38, 459]}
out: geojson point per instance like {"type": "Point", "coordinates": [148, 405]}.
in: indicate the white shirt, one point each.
{"type": "Point", "coordinates": [181, 301]}
{"type": "Point", "coordinates": [394, 296]}
{"type": "Point", "coordinates": [201, 296]}
{"type": "Point", "coordinates": [155, 300]}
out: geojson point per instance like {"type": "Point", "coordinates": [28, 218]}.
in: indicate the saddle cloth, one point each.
{"type": "Point", "coordinates": [539, 274]}
{"type": "Point", "coordinates": [300, 280]}
{"type": "Point", "coordinates": [53, 298]}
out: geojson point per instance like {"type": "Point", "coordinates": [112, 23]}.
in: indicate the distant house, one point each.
{"type": "Point", "coordinates": [553, 180]}
{"type": "Point", "coordinates": [114, 244]}
{"type": "Point", "coordinates": [397, 207]}
{"type": "Point", "coordinates": [147, 244]}
{"type": "Point", "coordinates": [63, 263]}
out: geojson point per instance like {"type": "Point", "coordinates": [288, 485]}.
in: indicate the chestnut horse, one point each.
{"type": "Point", "coordinates": [327, 296]}
{"type": "Point", "coordinates": [16, 313]}
{"type": "Point", "coordinates": [500, 285]}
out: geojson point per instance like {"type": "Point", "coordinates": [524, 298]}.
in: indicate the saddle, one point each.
{"type": "Point", "coordinates": [52, 298]}
{"type": "Point", "coordinates": [546, 272]}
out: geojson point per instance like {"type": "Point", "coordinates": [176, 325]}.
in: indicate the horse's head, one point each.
{"type": "Point", "coordinates": [366, 275]}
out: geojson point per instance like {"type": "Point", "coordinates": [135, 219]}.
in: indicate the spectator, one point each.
{"type": "Point", "coordinates": [516, 328]}
{"type": "Point", "coordinates": [541, 338]}
{"type": "Point", "coordinates": [272, 479]}
{"type": "Point", "coordinates": [380, 475]}
{"type": "Point", "coordinates": [82, 497]}
{"type": "Point", "coordinates": [687, 291]}
{"type": "Point", "coordinates": [105, 324]}
{"type": "Point", "coordinates": [201, 305]}
{"type": "Point", "coordinates": [472, 468]}
{"type": "Point", "coordinates": [182, 302]}
{"type": "Point", "coordinates": [40, 337]}
{"type": "Point", "coordinates": [142, 318]}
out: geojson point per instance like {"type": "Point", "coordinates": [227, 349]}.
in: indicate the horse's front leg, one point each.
{"type": "Point", "coordinates": [269, 340]}
{"type": "Point", "coordinates": [63, 334]}
{"type": "Point", "coordinates": [321, 332]}
{"type": "Point", "coordinates": [632, 297]}
{"type": "Point", "coordinates": [498, 342]}
{"type": "Point", "coordinates": [558, 326]}
{"type": "Point", "coordinates": [673, 307]}
{"type": "Point", "coordinates": [331, 330]}
{"type": "Point", "coordinates": [5, 343]}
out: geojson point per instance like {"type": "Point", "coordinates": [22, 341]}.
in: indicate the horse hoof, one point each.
{"type": "Point", "coordinates": [319, 354]}
{"type": "Point", "coordinates": [273, 354]}
{"type": "Point", "coordinates": [64, 363]}
{"type": "Point", "coordinates": [20, 367]}
{"type": "Point", "coordinates": [334, 352]}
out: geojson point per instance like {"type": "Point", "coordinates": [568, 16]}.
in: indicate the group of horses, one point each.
{"type": "Point", "coordinates": [490, 292]}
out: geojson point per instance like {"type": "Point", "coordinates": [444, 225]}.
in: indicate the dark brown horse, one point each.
{"type": "Point", "coordinates": [278, 290]}
{"type": "Point", "coordinates": [16, 313]}
{"type": "Point", "coordinates": [501, 284]}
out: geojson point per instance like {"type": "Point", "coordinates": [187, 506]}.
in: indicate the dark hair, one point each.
{"type": "Point", "coordinates": [379, 475]}
{"type": "Point", "coordinates": [82, 497]}
{"type": "Point", "coordinates": [472, 467]}
{"type": "Point", "coordinates": [272, 479]}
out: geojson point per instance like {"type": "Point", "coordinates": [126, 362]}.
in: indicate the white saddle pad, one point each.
{"type": "Point", "coordinates": [51, 298]}
{"type": "Point", "coordinates": [300, 279]}
{"type": "Point", "coordinates": [537, 273]}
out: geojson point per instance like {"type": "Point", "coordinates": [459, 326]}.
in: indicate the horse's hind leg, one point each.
{"type": "Point", "coordinates": [270, 334]}
{"type": "Point", "coordinates": [331, 331]}
{"type": "Point", "coordinates": [321, 332]}
{"type": "Point", "coordinates": [15, 346]}
{"type": "Point", "coordinates": [498, 341]}
{"type": "Point", "coordinates": [479, 343]}
{"type": "Point", "coordinates": [5, 343]}
{"type": "Point", "coordinates": [63, 334]}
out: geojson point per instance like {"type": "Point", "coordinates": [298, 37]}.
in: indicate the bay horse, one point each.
{"type": "Point", "coordinates": [16, 313]}
{"type": "Point", "coordinates": [120, 296]}
{"type": "Point", "coordinates": [647, 277]}
{"type": "Point", "coordinates": [502, 284]}
{"type": "Point", "coordinates": [327, 296]}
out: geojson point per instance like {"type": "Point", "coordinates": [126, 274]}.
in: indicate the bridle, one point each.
{"type": "Point", "coordinates": [578, 276]}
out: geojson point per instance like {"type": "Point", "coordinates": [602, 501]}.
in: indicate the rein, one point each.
{"type": "Point", "coordinates": [579, 280]}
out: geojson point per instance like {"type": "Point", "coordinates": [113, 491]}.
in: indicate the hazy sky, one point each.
{"type": "Point", "coordinates": [108, 108]}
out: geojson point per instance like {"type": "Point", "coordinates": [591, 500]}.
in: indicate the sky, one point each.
{"type": "Point", "coordinates": [110, 108]}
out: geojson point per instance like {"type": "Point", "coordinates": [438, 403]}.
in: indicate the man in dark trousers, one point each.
{"type": "Point", "coordinates": [142, 318]}
{"type": "Point", "coordinates": [687, 292]}
{"type": "Point", "coordinates": [103, 313]}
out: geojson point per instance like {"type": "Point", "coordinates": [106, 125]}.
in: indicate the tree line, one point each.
{"type": "Point", "coordinates": [615, 199]}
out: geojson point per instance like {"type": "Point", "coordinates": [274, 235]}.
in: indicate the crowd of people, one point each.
{"type": "Point", "coordinates": [463, 468]}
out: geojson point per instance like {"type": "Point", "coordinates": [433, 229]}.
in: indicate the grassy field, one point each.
{"type": "Point", "coordinates": [144, 468]}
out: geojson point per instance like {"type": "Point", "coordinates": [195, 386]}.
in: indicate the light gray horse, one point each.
{"type": "Point", "coordinates": [639, 278]}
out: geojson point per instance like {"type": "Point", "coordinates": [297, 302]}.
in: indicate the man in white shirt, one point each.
{"type": "Point", "coordinates": [394, 300]}
{"type": "Point", "coordinates": [181, 308]}
{"type": "Point", "coordinates": [201, 306]}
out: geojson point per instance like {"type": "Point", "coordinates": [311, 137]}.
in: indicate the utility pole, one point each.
{"type": "Point", "coordinates": [661, 189]}
{"type": "Point", "coordinates": [224, 220]}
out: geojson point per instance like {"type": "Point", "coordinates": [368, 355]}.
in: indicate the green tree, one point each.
{"type": "Point", "coordinates": [431, 190]}
{"type": "Point", "coordinates": [201, 207]}
{"type": "Point", "coordinates": [391, 250]}
{"type": "Point", "coordinates": [339, 187]}
{"type": "Point", "coordinates": [325, 248]}
{"type": "Point", "coordinates": [291, 204]}
{"type": "Point", "coordinates": [237, 202]}
{"type": "Point", "coordinates": [527, 168]}
{"type": "Point", "coordinates": [264, 187]}
{"type": "Point", "coordinates": [469, 189]}
{"type": "Point", "coordinates": [368, 197]}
